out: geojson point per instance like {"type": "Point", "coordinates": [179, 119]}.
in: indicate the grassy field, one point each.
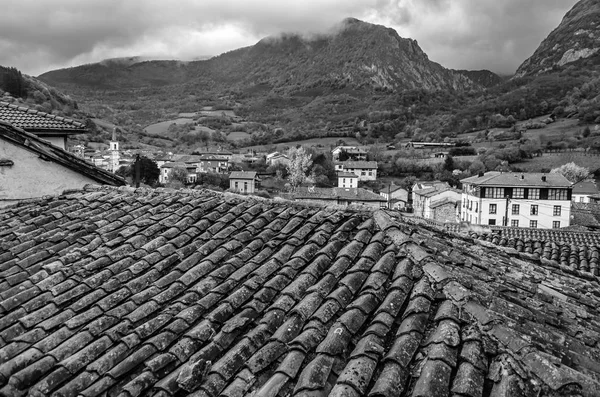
{"type": "Point", "coordinates": [321, 143]}
{"type": "Point", "coordinates": [554, 160]}
{"type": "Point", "coordinates": [237, 135]}
{"type": "Point", "coordinates": [162, 127]}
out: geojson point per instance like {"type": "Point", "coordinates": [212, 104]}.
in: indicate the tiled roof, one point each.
{"type": "Point", "coordinates": [212, 157]}
{"type": "Point", "coordinates": [335, 193]}
{"type": "Point", "coordinates": [534, 179]}
{"type": "Point", "coordinates": [358, 164]}
{"type": "Point", "coordinates": [149, 293]}
{"type": "Point", "coordinates": [585, 187]}
{"type": "Point", "coordinates": [53, 153]}
{"type": "Point", "coordinates": [445, 200]}
{"type": "Point", "coordinates": [174, 164]}
{"type": "Point", "coordinates": [35, 121]}
{"type": "Point", "coordinates": [243, 175]}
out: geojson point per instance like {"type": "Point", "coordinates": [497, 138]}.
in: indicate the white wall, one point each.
{"type": "Point", "coordinates": [544, 218]}
{"type": "Point", "coordinates": [32, 177]}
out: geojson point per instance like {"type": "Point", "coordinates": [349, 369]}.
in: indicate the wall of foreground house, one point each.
{"type": "Point", "coordinates": [32, 177]}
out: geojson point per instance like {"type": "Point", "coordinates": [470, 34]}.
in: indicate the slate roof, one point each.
{"type": "Point", "coordinates": [242, 175]}
{"type": "Point", "coordinates": [48, 151]}
{"type": "Point", "coordinates": [32, 120]}
{"type": "Point", "coordinates": [585, 187]}
{"type": "Point", "coordinates": [126, 292]}
{"type": "Point", "coordinates": [586, 214]}
{"type": "Point", "coordinates": [357, 164]}
{"type": "Point", "coordinates": [533, 179]}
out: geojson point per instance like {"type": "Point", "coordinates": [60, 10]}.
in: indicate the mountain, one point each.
{"type": "Point", "coordinates": [576, 38]}
{"type": "Point", "coordinates": [355, 53]}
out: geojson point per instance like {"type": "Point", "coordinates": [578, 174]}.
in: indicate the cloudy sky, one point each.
{"type": "Point", "coordinates": [38, 36]}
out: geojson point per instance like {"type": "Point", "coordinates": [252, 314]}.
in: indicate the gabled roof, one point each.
{"type": "Point", "coordinates": [527, 179]}
{"type": "Point", "coordinates": [444, 201]}
{"type": "Point", "coordinates": [358, 164]}
{"type": "Point", "coordinates": [342, 174]}
{"type": "Point", "coordinates": [186, 158]}
{"type": "Point", "coordinates": [32, 120]}
{"type": "Point", "coordinates": [174, 164]}
{"type": "Point", "coordinates": [212, 157]}
{"type": "Point", "coordinates": [243, 175]}
{"type": "Point", "coordinates": [150, 293]}
{"type": "Point", "coordinates": [585, 187]}
{"type": "Point", "coordinates": [50, 152]}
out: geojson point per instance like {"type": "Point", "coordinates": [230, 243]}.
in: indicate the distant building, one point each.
{"type": "Point", "coordinates": [364, 170]}
{"type": "Point", "coordinates": [352, 152]}
{"type": "Point", "coordinates": [113, 164]}
{"type": "Point", "coordinates": [52, 128]}
{"type": "Point", "coordinates": [339, 197]}
{"type": "Point", "coordinates": [428, 202]}
{"type": "Point", "coordinates": [421, 145]}
{"type": "Point", "coordinates": [31, 167]}
{"type": "Point", "coordinates": [347, 179]}
{"type": "Point", "coordinates": [277, 158]}
{"type": "Point", "coordinates": [213, 163]}
{"type": "Point", "coordinates": [534, 200]}
{"type": "Point", "coordinates": [396, 196]}
{"type": "Point", "coordinates": [246, 182]}
{"type": "Point", "coordinates": [582, 191]}
{"type": "Point", "coordinates": [166, 171]}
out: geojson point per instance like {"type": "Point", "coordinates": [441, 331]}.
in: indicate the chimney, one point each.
{"type": "Point", "coordinates": [543, 178]}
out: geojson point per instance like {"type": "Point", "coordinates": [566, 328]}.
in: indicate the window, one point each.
{"type": "Point", "coordinates": [236, 186]}
{"type": "Point", "coordinates": [581, 199]}
{"type": "Point", "coordinates": [557, 210]}
{"type": "Point", "coordinates": [556, 225]}
{"type": "Point", "coordinates": [557, 194]}
{"type": "Point", "coordinates": [491, 222]}
{"type": "Point", "coordinates": [534, 194]}
{"type": "Point", "coordinates": [363, 173]}
{"type": "Point", "coordinates": [370, 173]}
{"type": "Point", "coordinates": [518, 192]}
{"type": "Point", "coordinates": [494, 192]}
{"type": "Point", "coordinates": [476, 208]}
{"type": "Point", "coordinates": [493, 208]}
{"type": "Point", "coordinates": [534, 209]}
{"type": "Point", "coordinates": [533, 224]}
{"type": "Point", "coordinates": [515, 209]}
{"type": "Point", "coordinates": [245, 186]}
{"type": "Point", "coordinates": [514, 223]}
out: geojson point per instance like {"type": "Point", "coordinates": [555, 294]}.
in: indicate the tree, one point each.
{"type": "Point", "coordinates": [178, 174]}
{"type": "Point", "coordinates": [298, 166]}
{"type": "Point", "coordinates": [149, 171]}
{"type": "Point", "coordinates": [572, 172]}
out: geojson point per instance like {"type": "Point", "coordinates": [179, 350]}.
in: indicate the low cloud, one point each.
{"type": "Point", "coordinates": [37, 36]}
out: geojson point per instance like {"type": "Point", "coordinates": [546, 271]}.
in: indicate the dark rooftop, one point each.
{"type": "Point", "coordinates": [122, 292]}
{"type": "Point", "coordinates": [35, 121]}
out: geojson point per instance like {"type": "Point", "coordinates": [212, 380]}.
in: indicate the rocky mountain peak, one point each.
{"type": "Point", "coordinates": [577, 37]}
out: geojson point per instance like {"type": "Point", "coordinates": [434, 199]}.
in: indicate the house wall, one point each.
{"type": "Point", "coordinates": [476, 210]}
{"type": "Point", "coordinates": [581, 198]}
{"type": "Point", "coordinates": [347, 182]}
{"type": "Point", "coordinates": [243, 185]}
{"type": "Point", "coordinates": [32, 177]}
{"type": "Point", "coordinates": [445, 213]}
{"type": "Point", "coordinates": [422, 204]}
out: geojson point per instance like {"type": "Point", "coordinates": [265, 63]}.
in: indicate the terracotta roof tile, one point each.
{"type": "Point", "coordinates": [34, 121]}
{"type": "Point", "coordinates": [218, 295]}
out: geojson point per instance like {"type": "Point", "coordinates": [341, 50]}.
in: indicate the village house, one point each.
{"type": "Point", "coordinates": [52, 128]}
{"type": "Point", "coordinates": [213, 163]}
{"type": "Point", "coordinates": [246, 182]}
{"type": "Point", "coordinates": [166, 171]}
{"type": "Point", "coordinates": [365, 170]}
{"type": "Point", "coordinates": [347, 179]}
{"type": "Point", "coordinates": [277, 158]}
{"type": "Point", "coordinates": [396, 196]}
{"type": "Point", "coordinates": [534, 200]}
{"type": "Point", "coordinates": [582, 191]}
{"type": "Point", "coordinates": [351, 153]}
{"type": "Point", "coordinates": [32, 167]}
{"type": "Point", "coordinates": [439, 203]}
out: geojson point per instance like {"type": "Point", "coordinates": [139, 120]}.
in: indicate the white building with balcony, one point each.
{"type": "Point", "coordinates": [533, 200]}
